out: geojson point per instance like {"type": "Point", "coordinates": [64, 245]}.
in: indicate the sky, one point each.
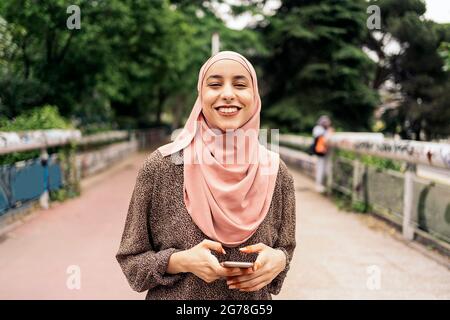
{"type": "Point", "coordinates": [437, 10]}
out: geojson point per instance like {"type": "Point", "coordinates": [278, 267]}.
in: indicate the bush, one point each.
{"type": "Point", "coordinates": [373, 161]}
{"type": "Point", "coordinates": [41, 118]}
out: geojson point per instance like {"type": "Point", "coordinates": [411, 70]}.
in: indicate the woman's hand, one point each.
{"type": "Point", "coordinates": [199, 261]}
{"type": "Point", "coordinates": [268, 265]}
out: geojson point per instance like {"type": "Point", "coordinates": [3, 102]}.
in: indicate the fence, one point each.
{"type": "Point", "coordinates": [420, 206]}
{"type": "Point", "coordinates": [25, 181]}
{"type": "Point", "coordinates": [91, 162]}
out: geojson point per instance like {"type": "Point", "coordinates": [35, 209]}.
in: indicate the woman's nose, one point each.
{"type": "Point", "coordinates": [228, 92]}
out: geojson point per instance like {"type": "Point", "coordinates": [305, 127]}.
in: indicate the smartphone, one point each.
{"type": "Point", "coordinates": [237, 264]}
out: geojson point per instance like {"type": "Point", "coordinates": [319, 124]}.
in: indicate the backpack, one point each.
{"type": "Point", "coordinates": [318, 147]}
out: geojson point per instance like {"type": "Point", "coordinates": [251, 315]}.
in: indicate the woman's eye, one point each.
{"type": "Point", "coordinates": [237, 85]}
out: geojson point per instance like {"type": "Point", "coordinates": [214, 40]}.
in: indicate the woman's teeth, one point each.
{"type": "Point", "coordinates": [228, 109]}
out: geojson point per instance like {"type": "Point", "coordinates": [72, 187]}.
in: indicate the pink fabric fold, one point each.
{"type": "Point", "coordinates": [229, 177]}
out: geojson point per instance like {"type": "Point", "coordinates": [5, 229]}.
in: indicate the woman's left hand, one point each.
{"type": "Point", "coordinates": [268, 265]}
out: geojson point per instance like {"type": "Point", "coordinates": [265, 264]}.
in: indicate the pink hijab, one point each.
{"type": "Point", "coordinates": [227, 198]}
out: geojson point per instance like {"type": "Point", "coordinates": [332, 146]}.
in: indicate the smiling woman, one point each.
{"type": "Point", "coordinates": [227, 95]}
{"type": "Point", "coordinates": [185, 217]}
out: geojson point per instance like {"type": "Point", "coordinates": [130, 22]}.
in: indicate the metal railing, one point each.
{"type": "Point", "coordinates": [417, 204]}
{"type": "Point", "coordinates": [36, 140]}
{"type": "Point", "coordinates": [29, 180]}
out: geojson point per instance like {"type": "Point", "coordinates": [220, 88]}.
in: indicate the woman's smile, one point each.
{"type": "Point", "coordinates": [228, 110]}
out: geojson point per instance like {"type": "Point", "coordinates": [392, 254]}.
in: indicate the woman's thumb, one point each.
{"type": "Point", "coordinates": [213, 245]}
{"type": "Point", "coordinates": [253, 249]}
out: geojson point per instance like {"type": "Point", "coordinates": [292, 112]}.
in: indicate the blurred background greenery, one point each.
{"type": "Point", "coordinates": [134, 64]}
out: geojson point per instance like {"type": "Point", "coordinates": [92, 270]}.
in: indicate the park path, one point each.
{"type": "Point", "coordinates": [338, 254]}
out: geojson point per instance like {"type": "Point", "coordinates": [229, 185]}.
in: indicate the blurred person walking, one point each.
{"type": "Point", "coordinates": [321, 133]}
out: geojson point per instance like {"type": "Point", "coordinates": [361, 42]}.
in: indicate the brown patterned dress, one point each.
{"type": "Point", "coordinates": [158, 224]}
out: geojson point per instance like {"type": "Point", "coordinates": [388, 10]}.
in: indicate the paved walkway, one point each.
{"type": "Point", "coordinates": [339, 255]}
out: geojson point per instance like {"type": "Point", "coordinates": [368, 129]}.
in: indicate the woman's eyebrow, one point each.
{"type": "Point", "coordinates": [218, 76]}
{"type": "Point", "coordinates": [215, 76]}
{"type": "Point", "coordinates": [240, 77]}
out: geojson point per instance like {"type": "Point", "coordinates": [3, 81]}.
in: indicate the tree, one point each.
{"type": "Point", "coordinates": [444, 52]}
{"type": "Point", "coordinates": [416, 67]}
{"type": "Point", "coordinates": [317, 65]}
{"type": "Point", "coordinates": [52, 64]}
{"type": "Point", "coordinates": [131, 61]}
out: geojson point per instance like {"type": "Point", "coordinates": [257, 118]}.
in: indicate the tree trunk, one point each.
{"type": "Point", "coordinates": [162, 96]}
{"type": "Point", "coordinates": [177, 111]}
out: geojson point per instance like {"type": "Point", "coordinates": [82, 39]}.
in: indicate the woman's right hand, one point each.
{"type": "Point", "coordinates": [199, 261]}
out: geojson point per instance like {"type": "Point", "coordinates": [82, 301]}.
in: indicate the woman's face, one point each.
{"type": "Point", "coordinates": [227, 95]}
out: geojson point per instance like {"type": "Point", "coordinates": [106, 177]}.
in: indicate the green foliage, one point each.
{"type": "Point", "coordinates": [317, 66]}
{"type": "Point", "coordinates": [67, 161]}
{"type": "Point", "coordinates": [131, 61]}
{"type": "Point", "coordinates": [418, 68]}
{"type": "Point", "coordinates": [59, 195]}
{"type": "Point", "coordinates": [359, 206]}
{"type": "Point", "coordinates": [287, 116]}
{"type": "Point", "coordinates": [344, 203]}
{"type": "Point", "coordinates": [41, 118]}
{"type": "Point", "coordinates": [444, 53]}
{"type": "Point", "coordinates": [46, 117]}
{"type": "Point", "coordinates": [373, 161]}
{"type": "Point", "coordinates": [14, 157]}
{"type": "Point", "coordinates": [134, 63]}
